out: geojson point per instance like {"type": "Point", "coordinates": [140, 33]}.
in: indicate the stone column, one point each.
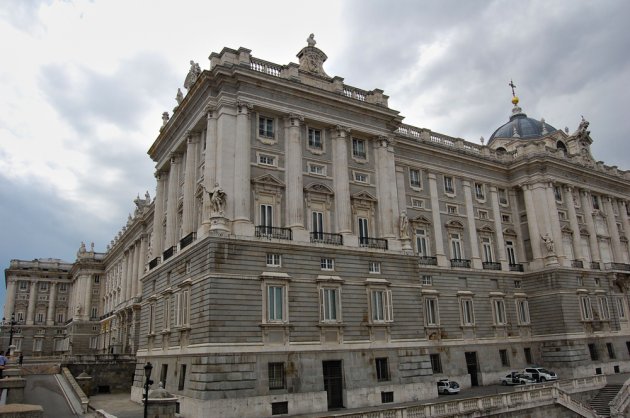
{"type": "Point", "coordinates": [294, 181]}
{"type": "Point", "coordinates": [575, 227]}
{"type": "Point", "coordinates": [520, 242]}
{"type": "Point", "coordinates": [190, 181]}
{"type": "Point", "coordinates": [9, 304]}
{"type": "Point", "coordinates": [52, 299]}
{"type": "Point", "coordinates": [123, 277]}
{"type": "Point", "coordinates": [171, 205]}
{"type": "Point", "coordinates": [590, 226]}
{"type": "Point", "coordinates": [613, 231]}
{"type": "Point", "coordinates": [437, 221]}
{"type": "Point", "coordinates": [141, 263]}
{"type": "Point", "coordinates": [623, 214]}
{"type": "Point", "coordinates": [157, 246]}
{"type": "Point", "coordinates": [498, 226]}
{"type": "Point", "coordinates": [532, 223]}
{"type": "Point", "coordinates": [209, 167]}
{"type": "Point", "coordinates": [341, 181]}
{"type": "Point", "coordinates": [135, 272]}
{"type": "Point", "coordinates": [87, 298]}
{"type": "Point", "coordinates": [554, 224]}
{"type": "Point", "coordinates": [30, 313]}
{"type": "Point", "coordinates": [226, 152]}
{"type": "Point", "coordinates": [472, 227]}
{"type": "Point", "coordinates": [385, 188]}
{"type": "Point", "coordinates": [243, 224]}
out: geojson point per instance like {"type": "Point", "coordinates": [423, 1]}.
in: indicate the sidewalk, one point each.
{"type": "Point", "coordinates": [117, 404]}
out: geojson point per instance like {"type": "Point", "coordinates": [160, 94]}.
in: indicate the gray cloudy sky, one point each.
{"type": "Point", "coordinates": [83, 85]}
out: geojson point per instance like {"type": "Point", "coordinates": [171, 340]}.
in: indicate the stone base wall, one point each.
{"type": "Point", "coordinates": [112, 377]}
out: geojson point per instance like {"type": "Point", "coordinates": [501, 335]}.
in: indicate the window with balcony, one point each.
{"type": "Point", "coordinates": [456, 247]}
{"type": "Point", "coordinates": [486, 246]}
{"type": "Point", "coordinates": [604, 310]}
{"type": "Point", "coordinates": [503, 197]}
{"type": "Point", "coordinates": [422, 242]}
{"type": "Point", "coordinates": [557, 192]}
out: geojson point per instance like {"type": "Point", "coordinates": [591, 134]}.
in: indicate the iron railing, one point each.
{"type": "Point", "coordinates": [379, 243]}
{"type": "Point", "coordinates": [168, 253]}
{"type": "Point", "coordinates": [577, 264]}
{"type": "Point", "coordinates": [273, 232]}
{"type": "Point", "coordinates": [187, 240]}
{"type": "Point", "coordinates": [326, 238]}
{"type": "Point", "coordinates": [153, 263]}
{"type": "Point", "coordinates": [459, 262]}
{"type": "Point", "coordinates": [595, 265]}
{"type": "Point", "coordinates": [491, 265]}
{"type": "Point", "coordinates": [517, 267]}
{"type": "Point", "coordinates": [427, 261]}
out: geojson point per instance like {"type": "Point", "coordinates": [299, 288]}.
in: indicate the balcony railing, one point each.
{"type": "Point", "coordinates": [595, 265]}
{"type": "Point", "coordinates": [153, 263]}
{"type": "Point", "coordinates": [427, 261]}
{"type": "Point", "coordinates": [517, 267]}
{"type": "Point", "coordinates": [325, 238]}
{"type": "Point", "coordinates": [273, 232]}
{"type": "Point", "coordinates": [617, 266]}
{"type": "Point", "coordinates": [491, 265]}
{"type": "Point", "coordinates": [577, 264]}
{"type": "Point", "coordinates": [459, 262]}
{"type": "Point", "coordinates": [379, 243]}
{"type": "Point", "coordinates": [187, 240]}
{"type": "Point", "coordinates": [168, 253]}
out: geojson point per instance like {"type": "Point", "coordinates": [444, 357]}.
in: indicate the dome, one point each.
{"type": "Point", "coordinates": [520, 126]}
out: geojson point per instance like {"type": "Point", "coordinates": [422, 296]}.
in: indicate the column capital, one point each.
{"type": "Point", "coordinates": [341, 131]}
{"type": "Point", "coordinates": [192, 137]}
{"type": "Point", "coordinates": [294, 120]}
{"type": "Point", "coordinates": [210, 110]}
{"type": "Point", "coordinates": [493, 189]}
{"type": "Point", "coordinates": [465, 183]}
{"type": "Point", "coordinates": [568, 187]}
{"type": "Point", "coordinates": [431, 176]}
{"type": "Point", "coordinates": [243, 107]}
{"type": "Point", "coordinates": [175, 157]}
{"type": "Point", "coordinates": [385, 141]}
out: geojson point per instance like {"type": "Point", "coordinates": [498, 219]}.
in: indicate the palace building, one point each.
{"type": "Point", "coordinates": [306, 250]}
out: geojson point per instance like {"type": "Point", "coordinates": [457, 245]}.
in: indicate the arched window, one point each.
{"type": "Point", "coordinates": [560, 145]}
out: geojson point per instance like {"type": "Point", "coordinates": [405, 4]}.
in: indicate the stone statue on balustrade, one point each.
{"type": "Point", "coordinates": [217, 199]}
{"type": "Point", "coordinates": [551, 249]}
{"type": "Point", "coordinates": [311, 40]}
{"type": "Point", "coordinates": [193, 74]}
{"type": "Point", "coordinates": [403, 225]}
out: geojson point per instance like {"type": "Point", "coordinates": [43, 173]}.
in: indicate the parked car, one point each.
{"type": "Point", "coordinates": [515, 378]}
{"type": "Point", "coordinates": [539, 374]}
{"type": "Point", "coordinates": [447, 387]}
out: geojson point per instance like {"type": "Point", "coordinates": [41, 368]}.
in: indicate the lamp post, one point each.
{"type": "Point", "coordinates": [148, 382]}
{"type": "Point", "coordinates": [12, 323]}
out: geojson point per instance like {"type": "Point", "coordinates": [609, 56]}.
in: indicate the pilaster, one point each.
{"type": "Point", "coordinates": [243, 224]}
{"type": "Point", "coordinates": [294, 181]}
{"type": "Point", "coordinates": [52, 299]}
{"type": "Point", "coordinates": [575, 227]}
{"type": "Point", "coordinates": [9, 304]}
{"type": "Point", "coordinates": [532, 224]}
{"type": "Point", "coordinates": [498, 226]}
{"type": "Point", "coordinates": [171, 204]}
{"type": "Point", "coordinates": [385, 188]}
{"type": "Point", "coordinates": [190, 180]}
{"type": "Point", "coordinates": [613, 232]}
{"type": "Point", "coordinates": [472, 227]}
{"type": "Point", "coordinates": [590, 225]}
{"type": "Point", "coordinates": [341, 181]}
{"type": "Point", "coordinates": [30, 313]}
{"type": "Point", "coordinates": [157, 246]}
{"type": "Point", "coordinates": [437, 221]}
{"type": "Point", "coordinates": [554, 224]}
{"type": "Point", "coordinates": [209, 167]}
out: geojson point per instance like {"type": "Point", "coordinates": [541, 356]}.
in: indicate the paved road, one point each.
{"type": "Point", "coordinates": [44, 390]}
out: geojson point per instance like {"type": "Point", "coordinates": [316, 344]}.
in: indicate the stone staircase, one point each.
{"type": "Point", "coordinates": [600, 402]}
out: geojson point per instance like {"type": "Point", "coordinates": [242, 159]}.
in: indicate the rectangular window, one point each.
{"type": "Point", "coordinates": [23, 285]}
{"type": "Point", "coordinates": [503, 199]}
{"type": "Point", "coordinates": [382, 369]}
{"type": "Point", "coordinates": [586, 309]}
{"type": "Point", "coordinates": [451, 209]}
{"type": "Point", "coordinates": [188, 267]}
{"type": "Point", "coordinates": [467, 312]}
{"type": "Point", "coordinates": [327, 263]}
{"type": "Point", "coordinates": [505, 359]}
{"type": "Point", "coordinates": [266, 159]}
{"type": "Point", "coordinates": [498, 306]}
{"type": "Point", "coordinates": [604, 310]}
{"type": "Point", "coordinates": [363, 230]}
{"type": "Point", "coordinates": [317, 169]}
{"type": "Point", "coordinates": [505, 218]}
{"type": "Point", "coordinates": [414, 178]}
{"type": "Point", "coordinates": [595, 201]}
{"type": "Point", "coordinates": [431, 312]}
{"type": "Point", "coordinates": [37, 344]}
{"type": "Point", "coordinates": [276, 376]}
{"type": "Point", "coordinates": [456, 247]}
{"type": "Point", "coordinates": [330, 304]}
{"type": "Point", "coordinates": [374, 267]}
{"type": "Point", "coordinates": [522, 307]}
{"type": "Point", "coordinates": [20, 316]}
{"type": "Point", "coordinates": [479, 191]}
{"type": "Point", "coordinates": [317, 225]}
{"type": "Point", "coordinates": [39, 318]}
{"type": "Point", "coordinates": [511, 253]}
{"type": "Point", "coordinates": [448, 185]}
{"type": "Point", "coordinates": [358, 148]}
{"type": "Point", "coordinates": [164, 374]}
{"type": "Point", "coordinates": [562, 215]}
{"type": "Point", "coordinates": [387, 397]}
{"type": "Point", "coordinates": [621, 310]}
{"type": "Point", "coordinates": [182, 377]}
{"type": "Point", "coordinates": [94, 312]}
{"type": "Point", "coordinates": [315, 138]}
{"type": "Point", "coordinates": [436, 363]}
{"type": "Point", "coordinates": [360, 177]}
{"type": "Point", "coordinates": [486, 246]}
{"type": "Point", "coordinates": [611, 351]}
{"type": "Point", "coordinates": [167, 312]}
{"type": "Point", "coordinates": [422, 243]}
{"type": "Point", "coordinates": [43, 287]}
{"type": "Point", "coordinates": [182, 308]}
{"type": "Point", "coordinates": [60, 318]}
{"type": "Point", "coordinates": [275, 303]}
{"type": "Point", "coordinates": [427, 280]}
{"type": "Point", "coordinates": [274, 260]}
{"type": "Point", "coordinates": [265, 127]}
{"type": "Point", "coordinates": [528, 355]}
{"type": "Point", "coordinates": [266, 217]}
{"type": "Point", "coordinates": [417, 203]}
{"type": "Point", "coordinates": [592, 349]}
{"type": "Point", "coordinates": [557, 192]}
{"type": "Point", "coordinates": [517, 284]}
{"type": "Point", "coordinates": [381, 305]}
{"type": "Point", "coordinates": [483, 214]}
{"type": "Point", "coordinates": [280, 408]}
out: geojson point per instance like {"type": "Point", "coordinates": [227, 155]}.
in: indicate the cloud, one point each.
{"type": "Point", "coordinates": [23, 14]}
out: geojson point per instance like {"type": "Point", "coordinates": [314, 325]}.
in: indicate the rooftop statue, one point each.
{"type": "Point", "coordinates": [193, 74]}
{"type": "Point", "coordinates": [311, 40]}
{"type": "Point", "coordinates": [179, 96]}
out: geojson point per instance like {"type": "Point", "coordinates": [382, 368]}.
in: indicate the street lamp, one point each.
{"type": "Point", "coordinates": [148, 382]}
{"type": "Point", "coordinates": [12, 323]}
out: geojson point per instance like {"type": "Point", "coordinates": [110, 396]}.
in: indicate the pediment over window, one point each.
{"type": "Point", "coordinates": [487, 229]}
{"type": "Point", "coordinates": [566, 229]}
{"type": "Point", "coordinates": [584, 231]}
{"type": "Point", "coordinates": [421, 220]}
{"type": "Point", "coordinates": [363, 195]}
{"type": "Point", "coordinates": [509, 231]}
{"type": "Point", "coordinates": [319, 188]}
{"type": "Point", "coordinates": [455, 224]}
{"type": "Point", "coordinates": [268, 180]}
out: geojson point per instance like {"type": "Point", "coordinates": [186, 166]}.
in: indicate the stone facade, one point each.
{"type": "Point", "coordinates": [305, 250]}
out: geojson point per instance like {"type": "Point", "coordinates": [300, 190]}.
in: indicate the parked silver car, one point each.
{"type": "Point", "coordinates": [516, 378]}
{"type": "Point", "coordinates": [539, 374]}
{"type": "Point", "coordinates": [448, 387]}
